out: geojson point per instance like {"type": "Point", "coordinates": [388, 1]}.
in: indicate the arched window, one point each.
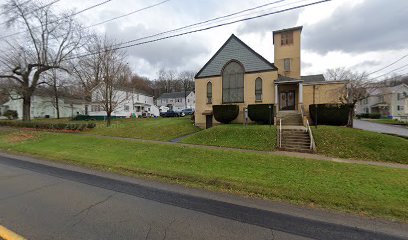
{"type": "Point", "coordinates": [258, 89]}
{"type": "Point", "coordinates": [233, 83]}
{"type": "Point", "coordinates": [209, 92]}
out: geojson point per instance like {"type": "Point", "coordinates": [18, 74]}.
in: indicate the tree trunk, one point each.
{"type": "Point", "coordinates": [26, 107]}
{"type": "Point", "coordinates": [350, 118]}
{"type": "Point", "coordinates": [57, 105]}
{"type": "Point", "coordinates": [108, 119]}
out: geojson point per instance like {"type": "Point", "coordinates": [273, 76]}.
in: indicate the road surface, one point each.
{"type": "Point", "coordinates": [41, 200]}
{"type": "Point", "coordinates": [380, 128]}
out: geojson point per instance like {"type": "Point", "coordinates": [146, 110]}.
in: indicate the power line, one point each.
{"type": "Point", "coordinates": [39, 8]}
{"type": "Point", "coordinates": [200, 23]}
{"type": "Point", "coordinates": [206, 28]}
{"type": "Point", "coordinates": [127, 14]}
{"type": "Point", "coordinates": [388, 65]}
{"type": "Point", "coordinates": [74, 14]}
{"type": "Point", "coordinates": [404, 66]}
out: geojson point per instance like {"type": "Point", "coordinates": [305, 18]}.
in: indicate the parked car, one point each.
{"type": "Point", "coordinates": [188, 111]}
{"type": "Point", "coordinates": [172, 113]}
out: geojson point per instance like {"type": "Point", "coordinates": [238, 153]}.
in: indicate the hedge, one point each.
{"type": "Point", "coordinates": [261, 113]}
{"type": "Point", "coordinates": [330, 114]}
{"type": "Point", "coordinates": [225, 113]}
{"type": "Point", "coordinates": [11, 114]}
{"type": "Point", "coordinates": [369, 115]}
{"type": "Point", "coordinates": [93, 118]}
{"type": "Point", "coordinates": [55, 126]}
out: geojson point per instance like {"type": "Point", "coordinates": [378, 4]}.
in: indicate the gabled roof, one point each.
{"type": "Point", "coordinates": [235, 49]}
{"type": "Point", "coordinates": [174, 95]}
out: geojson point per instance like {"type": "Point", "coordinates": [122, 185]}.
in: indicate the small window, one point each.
{"type": "Point", "coordinates": [126, 108]}
{"type": "Point", "coordinates": [258, 89]}
{"type": "Point", "coordinates": [286, 38]}
{"type": "Point", "coordinates": [209, 92]}
{"type": "Point", "coordinates": [286, 64]}
{"type": "Point", "coordinates": [400, 108]}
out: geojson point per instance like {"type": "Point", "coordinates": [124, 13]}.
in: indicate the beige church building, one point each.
{"type": "Point", "coordinates": [236, 74]}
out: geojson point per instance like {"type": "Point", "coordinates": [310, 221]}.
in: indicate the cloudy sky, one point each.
{"type": "Point", "coordinates": [363, 35]}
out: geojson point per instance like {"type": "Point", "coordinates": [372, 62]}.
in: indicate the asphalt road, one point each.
{"type": "Point", "coordinates": [380, 128]}
{"type": "Point", "coordinates": [49, 201]}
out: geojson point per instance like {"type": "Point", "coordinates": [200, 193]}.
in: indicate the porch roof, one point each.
{"type": "Point", "coordinates": [379, 105]}
{"type": "Point", "coordinates": [284, 79]}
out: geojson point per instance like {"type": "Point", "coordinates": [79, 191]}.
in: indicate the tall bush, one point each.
{"type": "Point", "coordinates": [330, 114]}
{"type": "Point", "coordinates": [261, 113]}
{"type": "Point", "coordinates": [11, 114]}
{"type": "Point", "coordinates": [225, 113]}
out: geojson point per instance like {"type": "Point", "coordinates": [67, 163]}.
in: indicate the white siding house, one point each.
{"type": "Point", "coordinates": [44, 107]}
{"type": "Point", "coordinates": [390, 102]}
{"type": "Point", "coordinates": [176, 101]}
{"type": "Point", "coordinates": [130, 103]}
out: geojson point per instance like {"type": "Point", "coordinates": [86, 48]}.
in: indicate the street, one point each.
{"type": "Point", "coordinates": [381, 128]}
{"type": "Point", "coordinates": [40, 201]}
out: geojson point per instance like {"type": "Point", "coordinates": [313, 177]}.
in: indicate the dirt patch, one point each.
{"type": "Point", "coordinates": [19, 137]}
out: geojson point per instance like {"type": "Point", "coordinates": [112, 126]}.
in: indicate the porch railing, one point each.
{"type": "Point", "coordinates": [280, 132]}
{"type": "Point", "coordinates": [312, 142]}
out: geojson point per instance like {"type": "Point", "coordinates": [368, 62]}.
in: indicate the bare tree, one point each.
{"type": "Point", "coordinates": [337, 74]}
{"type": "Point", "coordinates": [87, 70]}
{"type": "Point", "coordinates": [354, 91]}
{"type": "Point", "coordinates": [48, 40]}
{"type": "Point", "coordinates": [56, 82]}
{"type": "Point", "coordinates": [114, 74]}
{"type": "Point", "coordinates": [187, 81]}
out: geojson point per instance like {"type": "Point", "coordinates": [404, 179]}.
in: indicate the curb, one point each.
{"type": "Point", "coordinates": [9, 235]}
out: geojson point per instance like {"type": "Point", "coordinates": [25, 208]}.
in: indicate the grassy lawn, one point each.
{"type": "Point", "coordinates": [257, 137]}
{"type": "Point", "coordinates": [359, 144]}
{"type": "Point", "coordinates": [388, 121]}
{"type": "Point", "coordinates": [367, 190]}
{"type": "Point", "coordinates": [161, 129]}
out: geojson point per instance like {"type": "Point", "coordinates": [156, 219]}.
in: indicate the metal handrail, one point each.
{"type": "Point", "coordinates": [312, 142]}
{"type": "Point", "coordinates": [280, 132]}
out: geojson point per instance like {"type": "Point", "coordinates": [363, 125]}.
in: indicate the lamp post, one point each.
{"type": "Point", "coordinates": [246, 116]}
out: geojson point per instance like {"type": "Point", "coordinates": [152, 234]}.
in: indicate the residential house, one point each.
{"type": "Point", "coordinates": [236, 74]}
{"type": "Point", "coordinates": [177, 101]}
{"type": "Point", "coordinates": [3, 108]}
{"type": "Point", "coordinates": [130, 103]}
{"type": "Point", "coordinates": [390, 102]}
{"type": "Point", "coordinates": [43, 105]}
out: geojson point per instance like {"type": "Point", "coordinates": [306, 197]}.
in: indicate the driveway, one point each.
{"type": "Point", "coordinates": [381, 128]}
{"type": "Point", "coordinates": [41, 200]}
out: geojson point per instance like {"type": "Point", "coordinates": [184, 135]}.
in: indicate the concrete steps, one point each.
{"type": "Point", "coordinates": [294, 136]}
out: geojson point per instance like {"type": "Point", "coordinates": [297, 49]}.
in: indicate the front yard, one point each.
{"type": "Point", "coordinates": [161, 129]}
{"type": "Point", "coordinates": [366, 190]}
{"type": "Point", "coordinates": [352, 143]}
{"type": "Point", "coordinates": [255, 137]}
{"type": "Point", "coordinates": [388, 121]}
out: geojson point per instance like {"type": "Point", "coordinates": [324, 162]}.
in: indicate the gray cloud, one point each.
{"type": "Point", "coordinates": [175, 53]}
{"type": "Point", "coordinates": [270, 23]}
{"type": "Point", "coordinates": [374, 25]}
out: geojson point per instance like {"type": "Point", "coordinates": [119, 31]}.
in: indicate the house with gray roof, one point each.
{"type": "Point", "coordinates": [177, 101]}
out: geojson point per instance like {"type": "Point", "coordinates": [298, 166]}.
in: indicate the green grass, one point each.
{"type": "Point", "coordinates": [256, 137]}
{"type": "Point", "coordinates": [162, 129]}
{"type": "Point", "coordinates": [388, 121]}
{"type": "Point", "coordinates": [367, 190]}
{"type": "Point", "coordinates": [359, 144]}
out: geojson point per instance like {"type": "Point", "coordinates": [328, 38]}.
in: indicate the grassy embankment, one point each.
{"type": "Point", "coordinates": [367, 190]}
